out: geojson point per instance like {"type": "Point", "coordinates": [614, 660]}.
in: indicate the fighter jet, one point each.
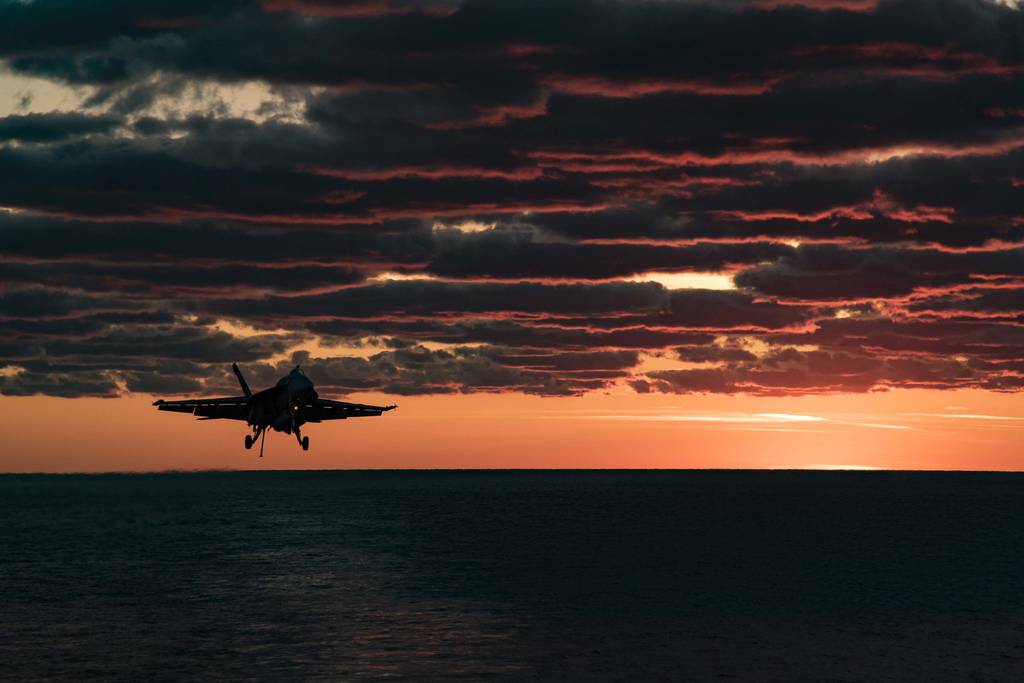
{"type": "Point", "coordinates": [285, 407]}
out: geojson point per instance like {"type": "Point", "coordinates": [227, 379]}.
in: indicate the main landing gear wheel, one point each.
{"type": "Point", "coordinates": [305, 443]}
{"type": "Point", "coordinates": [248, 442]}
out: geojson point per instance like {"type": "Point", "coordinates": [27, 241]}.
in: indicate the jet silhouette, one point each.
{"type": "Point", "coordinates": [285, 407]}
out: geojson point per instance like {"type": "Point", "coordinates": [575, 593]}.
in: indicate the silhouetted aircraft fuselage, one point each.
{"type": "Point", "coordinates": [279, 406]}
{"type": "Point", "coordinates": [284, 407]}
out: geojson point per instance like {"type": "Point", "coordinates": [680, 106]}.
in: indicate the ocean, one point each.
{"type": "Point", "coordinates": [513, 575]}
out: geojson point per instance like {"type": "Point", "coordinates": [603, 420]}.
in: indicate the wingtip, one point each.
{"type": "Point", "coordinates": [158, 402]}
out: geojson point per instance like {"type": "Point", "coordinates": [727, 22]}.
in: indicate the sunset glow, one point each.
{"type": "Point", "coordinates": [798, 242]}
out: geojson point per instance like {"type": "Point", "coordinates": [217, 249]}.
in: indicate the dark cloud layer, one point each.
{"type": "Point", "coordinates": [513, 195]}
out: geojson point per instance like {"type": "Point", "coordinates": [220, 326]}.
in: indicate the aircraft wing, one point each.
{"type": "Point", "coordinates": [324, 409]}
{"type": "Point", "coordinates": [229, 408]}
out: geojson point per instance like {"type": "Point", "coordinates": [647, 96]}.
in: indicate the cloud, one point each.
{"type": "Point", "coordinates": [418, 370]}
{"type": "Point", "coordinates": [41, 302]}
{"type": "Point", "coordinates": [791, 372]}
{"type": "Point", "coordinates": [508, 254]}
{"type": "Point", "coordinates": [299, 169]}
{"type": "Point", "coordinates": [66, 385]}
{"type": "Point", "coordinates": [53, 127]}
{"type": "Point", "coordinates": [829, 272]}
{"type": "Point", "coordinates": [427, 299]}
{"type": "Point", "coordinates": [166, 280]}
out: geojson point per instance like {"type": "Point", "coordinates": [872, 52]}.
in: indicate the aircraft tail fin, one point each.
{"type": "Point", "coordinates": [241, 380]}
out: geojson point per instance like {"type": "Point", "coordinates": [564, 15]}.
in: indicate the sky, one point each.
{"type": "Point", "coordinates": [590, 233]}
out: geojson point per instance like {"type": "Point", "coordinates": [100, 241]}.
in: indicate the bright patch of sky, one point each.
{"type": "Point", "coordinates": [253, 100]}
{"type": "Point", "coordinates": [11, 371]}
{"type": "Point", "coordinates": [391, 276]}
{"type": "Point", "coordinates": [686, 280]}
{"type": "Point", "coordinates": [463, 226]}
{"type": "Point", "coordinates": [27, 95]}
{"type": "Point", "coordinates": [767, 421]}
{"type": "Point", "coordinates": [759, 418]}
{"type": "Point", "coordinates": [967, 416]}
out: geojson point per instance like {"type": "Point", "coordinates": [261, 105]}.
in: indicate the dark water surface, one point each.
{"type": "Point", "coordinates": [761, 576]}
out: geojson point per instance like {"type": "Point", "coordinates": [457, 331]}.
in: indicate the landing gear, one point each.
{"type": "Point", "coordinates": [303, 440]}
{"type": "Point", "coordinates": [251, 439]}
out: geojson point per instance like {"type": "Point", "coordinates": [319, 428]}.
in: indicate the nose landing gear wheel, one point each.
{"type": "Point", "coordinates": [248, 442]}
{"type": "Point", "coordinates": [305, 443]}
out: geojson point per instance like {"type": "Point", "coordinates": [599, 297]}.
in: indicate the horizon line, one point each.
{"type": "Point", "coordinates": [225, 470]}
